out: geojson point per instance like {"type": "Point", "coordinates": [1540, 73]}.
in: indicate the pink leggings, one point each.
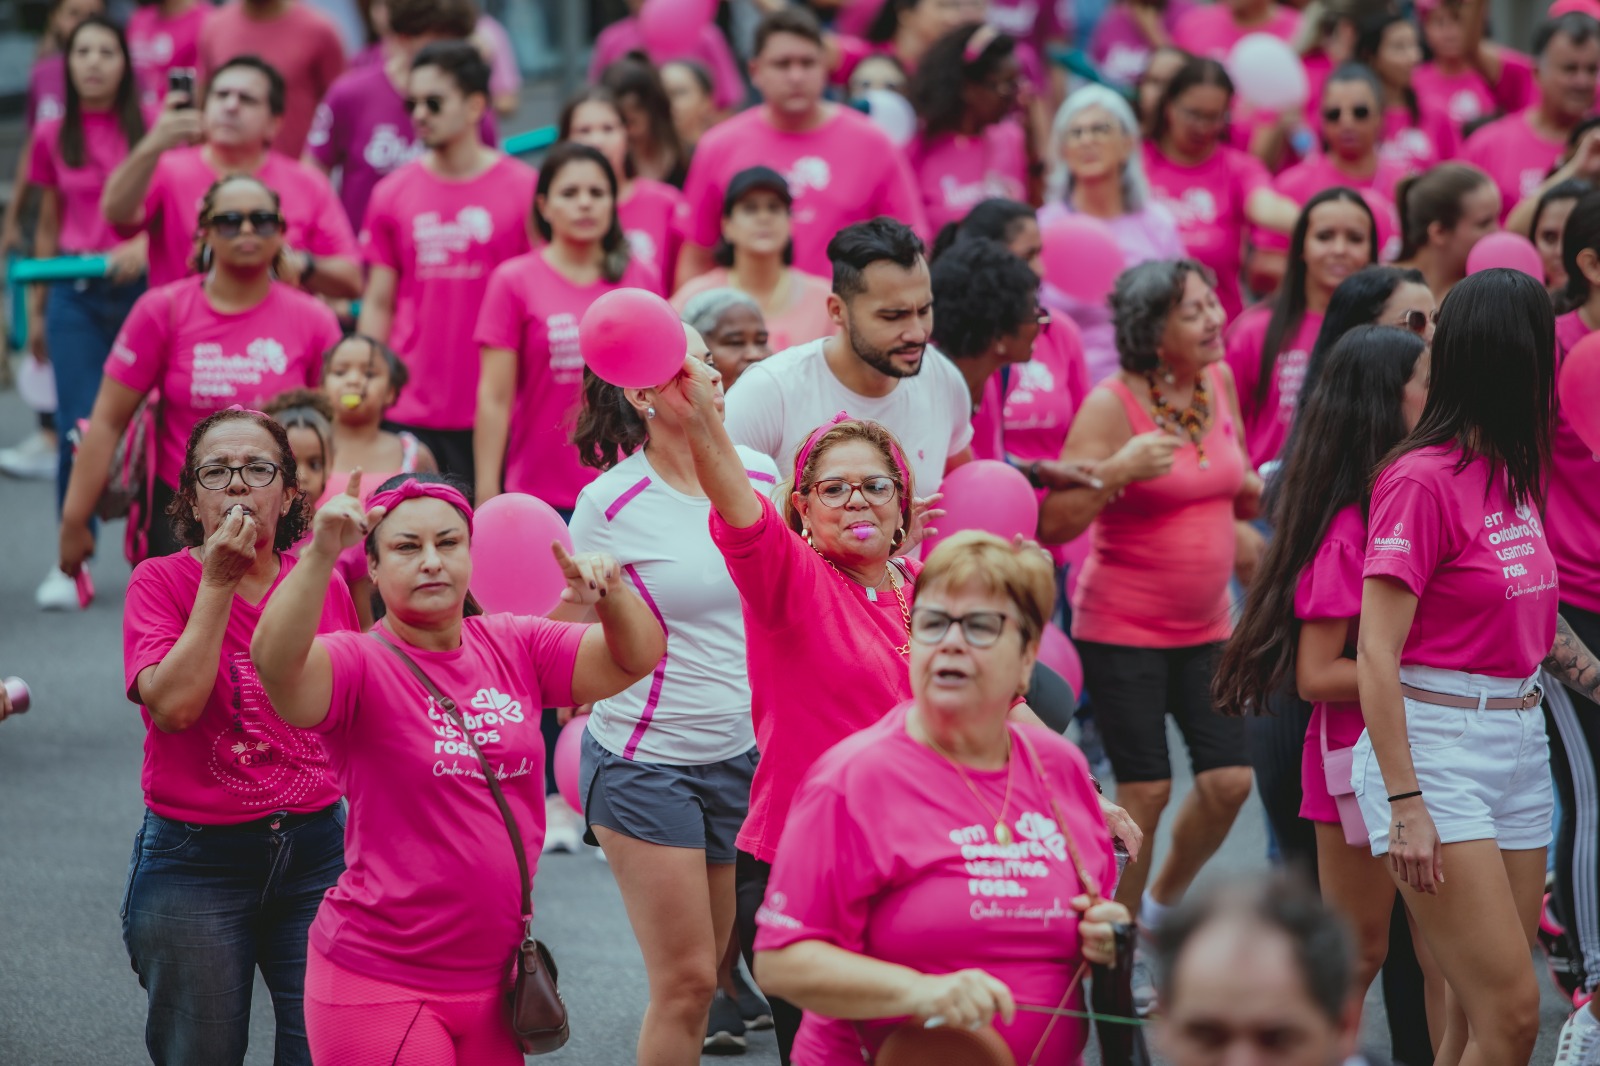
{"type": "Point", "coordinates": [353, 1020]}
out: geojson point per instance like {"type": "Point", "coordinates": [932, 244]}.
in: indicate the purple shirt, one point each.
{"type": "Point", "coordinates": [362, 128]}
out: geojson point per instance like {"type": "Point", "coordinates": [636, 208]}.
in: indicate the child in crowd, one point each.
{"type": "Point", "coordinates": [362, 379]}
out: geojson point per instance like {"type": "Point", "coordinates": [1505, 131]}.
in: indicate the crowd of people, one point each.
{"type": "Point", "coordinates": [1305, 487]}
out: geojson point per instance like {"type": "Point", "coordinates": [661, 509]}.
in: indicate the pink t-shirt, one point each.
{"type": "Point", "coordinates": [239, 760]}
{"type": "Point", "coordinates": [775, 570]}
{"type": "Point", "coordinates": [654, 217]}
{"type": "Point", "coordinates": [1267, 419]}
{"type": "Point", "coordinates": [302, 43]}
{"type": "Point", "coordinates": [1330, 591]}
{"type": "Point", "coordinates": [84, 229]}
{"type": "Point", "coordinates": [710, 50]}
{"type": "Point", "coordinates": [1464, 96]}
{"type": "Point", "coordinates": [361, 127]}
{"type": "Point", "coordinates": [1209, 30]}
{"type": "Point", "coordinates": [844, 171]}
{"type": "Point", "coordinates": [1317, 172]}
{"type": "Point", "coordinates": [1414, 145]}
{"type": "Point", "coordinates": [532, 310]}
{"type": "Point", "coordinates": [1573, 504]}
{"type": "Point", "coordinates": [316, 222]}
{"type": "Point", "coordinates": [203, 360]}
{"type": "Point", "coordinates": [955, 173]}
{"type": "Point", "coordinates": [1208, 202]}
{"type": "Point", "coordinates": [1121, 50]}
{"type": "Point", "coordinates": [805, 318]}
{"type": "Point", "coordinates": [47, 91]}
{"type": "Point", "coordinates": [1043, 395]}
{"type": "Point", "coordinates": [1513, 155]}
{"type": "Point", "coordinates": [443, 239]}
{"type": "Point", "coordinates": [430, 896]}
{"type": "Point", "coordinates": [1157, 573]}
{"type": "Point", "coordinates": [1480, 567]}
{"type": "Point", "coordinates": [988, 423]}
{"type": "Point", "coordinates": [158, 44]}
{"type": "Point", "coordinates": [944, 896]}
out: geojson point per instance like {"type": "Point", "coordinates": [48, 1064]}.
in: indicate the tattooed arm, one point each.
{"type": "Point", "coordinates": [1573, 663]}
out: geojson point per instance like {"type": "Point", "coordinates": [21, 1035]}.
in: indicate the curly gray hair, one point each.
{"type": "Point", "coordinates": [1141, 302]}
{"type": "Point", "coordinates": [705, 309]}
{"type": "Point", "coordinates": [1135, 186]}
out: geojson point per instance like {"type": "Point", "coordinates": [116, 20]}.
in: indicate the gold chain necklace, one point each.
{"type": "Point", "coordinates": [872, 594]}
{"type": "Point", "coordinates": [1002, 832]}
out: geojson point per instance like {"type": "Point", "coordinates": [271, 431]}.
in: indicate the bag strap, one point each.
{"type": "Point", "coordinates": [1324, 737]}
{"type": "Point", "coordinates": [448, 706]}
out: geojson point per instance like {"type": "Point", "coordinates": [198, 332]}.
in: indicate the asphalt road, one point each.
{"type": "Point", "coordinates": [70, 803]}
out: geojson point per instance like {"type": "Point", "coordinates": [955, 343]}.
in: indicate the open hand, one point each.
{"type": "Point", "coordinates": [1416, 854]}
{"type": "Point", "coordinates": [925, 511]}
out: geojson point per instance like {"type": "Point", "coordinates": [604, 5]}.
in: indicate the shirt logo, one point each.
{"type": "Point", "coordinates": [641, 245]}
{"type": "Point", "coordinates": [388, 148]}
{"type": "Point", "coordinates": [438, 239]}
{"type": "Point", "coordinates": [1394, 542]}
{"type": "Point", "coordinates": [1465, 106]}
{"type": "Point", "coordinates": [809, 172]}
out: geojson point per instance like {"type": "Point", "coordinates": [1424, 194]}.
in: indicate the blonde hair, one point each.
{"type": "Point", "coordinates": [1022, 574]}
{"type": "Point", "coordinates": [844, 432]}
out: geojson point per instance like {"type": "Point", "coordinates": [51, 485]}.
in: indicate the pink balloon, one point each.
{"type": "Point", "coordinates": [1056, 651]}
{"type": "Point", "coordinates": [633, 339]}
{"type": "Point", "coordinates": [1506, 249]}
{"type": "Point", "coordinates": [568, 750]}
{"type": "Point", "coordinates": [672, 27]}
{"type": "Point", "coordinates": [1579, 390]}
{"type": "Point", "coordinates": [513, 569]}
{"type": "Point", "coordinates": [988, 495]}
{"type": "Point", "coordinates": [1081, 257]}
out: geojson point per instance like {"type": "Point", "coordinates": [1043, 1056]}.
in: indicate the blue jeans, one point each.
{"type": "Point", "coordinates": [204, 907]}
{"type": "Point", "coordinates": [81, 320]}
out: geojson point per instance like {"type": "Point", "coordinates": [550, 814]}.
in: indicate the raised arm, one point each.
{"type": "Point", "coordinates": [627, 644]}
{"type": "Point", "coordinates": [692, 397]}
{"type": "Point", "coordinates": [122, 200]}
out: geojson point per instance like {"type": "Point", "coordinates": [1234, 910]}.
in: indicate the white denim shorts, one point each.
{"type": "Point", "coordinates": [1484, 775]}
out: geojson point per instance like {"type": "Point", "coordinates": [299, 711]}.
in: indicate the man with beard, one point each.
{"type": "Point", "coordinates": [435, 229]}
{"type": "Point", "coordinates": [878, 365]}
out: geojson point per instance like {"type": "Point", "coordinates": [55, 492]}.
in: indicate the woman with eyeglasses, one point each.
{"type": "Point", "coordinates": [244, 831]}
{"type": "Point", "coordinates": [230, 334]}
{"type": "Point", "coordinates": [973, 142]}
{"type": "Point", "coordinates": [1214, 190]}
{"type": "Point", "coordinates": [1443, 213]}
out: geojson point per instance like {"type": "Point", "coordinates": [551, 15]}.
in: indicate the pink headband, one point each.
{"type": "Point", "coordinates": [821, 431]}
{"type": "Point", "coordinates": [249, 411]}
{"type": "Point", "coordinates": [978, 43]}
{"type": "Point", "coordinates": [412, 489]}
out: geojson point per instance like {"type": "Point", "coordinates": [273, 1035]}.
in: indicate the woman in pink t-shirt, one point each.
{"type": "Point", "coordinates": [1443, 213]}
{"type": "Point", "coordinates": [532, 375]}
{"type": "Point", "coordinates": [871, 940]}
{"type": "Point", "coordinates": [973, 141]}
{"type": "Point", "coordinates": [229, 334]}
{"type": "Point", "coordinates": [162, 35]}
{"type": "Point", "coordinates": [652, 213]}
{"type": "Point", "coordinates": [1458, 614]}
{"type": "Point", "coordinates": [244, 831]}
{"type": "Point", "coordinates": [647, 113]}
{"type": "Point", "coordinates": [411, 953]}
{"type": "Point", "coordinates": [1270, 344]}
{"type": "Point", "coordinates": [734, 329]}
{"type": "Point", "coordinates": [1299, 623]}
{"type": "Point", "coordinates": [1468, 76]}
{"type": "Point", "coordinates": [905, 29]}
{"type": "Point", "coordinates": [1151, 609]}
{"type": "Point", "coordinates": [1547, 224]}
{"type": "Point", "coordinates": [1416, 135]}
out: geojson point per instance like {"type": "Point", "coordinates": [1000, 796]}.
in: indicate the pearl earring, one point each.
{"type": "Point", "coordinates": [650, 413]}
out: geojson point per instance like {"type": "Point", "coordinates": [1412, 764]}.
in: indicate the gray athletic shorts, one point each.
{"type": "Point", "coordinates": [676, 806]}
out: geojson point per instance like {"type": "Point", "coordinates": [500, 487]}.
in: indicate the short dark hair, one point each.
{"type": "Point", "coordinates": [857, 247]}
{"type": "Point", "coordinates": [1196, 72]}
{"type": "Point", "coordinates": [794, 20]}
{"type": "Point", "coordinates": [1282, 904]}
{"type": "Point", "coordinates": [995, 219]}
{"type": "Point", "coordinates": [1141, 301]}
{"type": "Point", "coordinates": [461, 60]}
{"type": "Point", "coordinates": [615, 242]}
{"type": "Point", "coordinates": [418, 18]}
{"type": "Point", "coordinates": [275, 86]}
{"type": "Point", "coordinates": [399, 374]}
{"type": "Point", "coordinates": [983, 293]}
{"type": "Point", "coordinates": [1574, 25]}
{"type": "Point", "coordinates": [938, 89]}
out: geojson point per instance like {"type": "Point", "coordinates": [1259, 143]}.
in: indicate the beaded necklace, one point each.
{"type": "Point", "coordinates": [1192, 422]}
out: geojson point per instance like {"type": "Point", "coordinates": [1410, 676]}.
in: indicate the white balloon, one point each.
{"type": "Point", "coordinates": [893, 114]}
{"type": "Point", "coordinates": [1268, 74]}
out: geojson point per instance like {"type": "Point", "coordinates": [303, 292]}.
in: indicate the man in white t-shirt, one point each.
{"type": "Point", "coordinates": [878, 365]}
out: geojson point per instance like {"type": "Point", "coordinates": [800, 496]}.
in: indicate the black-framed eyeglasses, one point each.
{"type": "Point", "coordinates": [980, 629]}
{"type": "Point", "coordinates": [836, 491]}
{"type": "Point", "coordinates": [1418, 321]}
{"type": "Point", "coordinates": [1360, 112]}
{"type": "Point", "coordinates": [218, 476]}
{"type": "Point", "coordinates": [229, 224]}
{"type": "Point", "coordinates": [434, 104]}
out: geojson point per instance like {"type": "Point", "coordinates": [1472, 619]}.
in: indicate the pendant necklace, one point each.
{"type": "Point", "coordinates": [872, 594]}
{"type": "Point", "coordinates": [1002, 832]}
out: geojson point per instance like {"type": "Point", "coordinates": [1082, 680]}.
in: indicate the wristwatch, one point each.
{"type": "Point", "coordinates": [1031, 472]}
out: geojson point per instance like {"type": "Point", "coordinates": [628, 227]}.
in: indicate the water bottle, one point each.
{"type": "Point", "coordinates": [21, 698]}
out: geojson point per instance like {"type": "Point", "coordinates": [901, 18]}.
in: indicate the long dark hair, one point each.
{"type": "Point", "coordinates": [1196, 71]}
{"type": "Point", "coordinates": [939, 85]}
{"type": "Point", "coordinates": [636, 76]}
{"type": "Point", "coordinates": [1349, 423]}
{"type": "Point", "coordinates": [609, 429]}
{"type": "Point", "coordinates": [1492, 391]}
{"type": "Point", "coordinates": [1582, 233]}
{"type": "Point", "coordinates": [1289, 306]}
{"type": "Point", "coordinates": [1370, 39]}
{"type": "Point", "coordinates": [596, 94]}
{"type": "Point", "coordinates": [125, 105]}
{"type": "Point", "coordinates": [615, 243]}
{"type": "Point", "coordinates": [1358, 301]}
{"type": "Point", "coordinates": [995, 219]}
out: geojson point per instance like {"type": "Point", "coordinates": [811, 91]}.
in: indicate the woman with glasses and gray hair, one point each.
{"type": "Point", "coordinates": [1097, 169]}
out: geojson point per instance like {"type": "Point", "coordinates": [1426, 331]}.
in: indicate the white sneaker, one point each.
{"type": "Point", "coordinates": [1143, 979]}
{"type": "Point", "coordinates": [37, 458]}
{"type": "Point", "coordinates": [57, 592]}
{"type": "Point", "coordinates": [563, 826]}
{"type": "Point", "coordinates": [1579, 1043]}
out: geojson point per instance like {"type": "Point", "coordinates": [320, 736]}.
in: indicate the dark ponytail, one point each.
{"type": "Point", "coordinates": [1582, 232]}
{"type": "Point", "coordinates": [1435, 195]}
{"type": "Point", "coordinates": [609, 429]}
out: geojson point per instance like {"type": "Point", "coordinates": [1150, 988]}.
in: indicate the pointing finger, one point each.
{"type": "Point", "coordinates": [353, 488]}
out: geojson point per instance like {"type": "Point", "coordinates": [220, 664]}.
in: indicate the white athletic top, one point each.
{"type": "Point", "coordinates": [695, 707]}
{"type": "Point", "coordinates": [777, 403]}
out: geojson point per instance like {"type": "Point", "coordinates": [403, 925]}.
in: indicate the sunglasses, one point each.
{"type": "Point", "coordinates": [1360, 112]}
{"type": "Point", "coordinates": [1417, 321]}
{"type": "Point", "coordinates": [434, 104]}
{"type": "Point", "coordinates": [229, 224]}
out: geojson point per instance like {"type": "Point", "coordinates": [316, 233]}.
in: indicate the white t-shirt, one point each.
{"type": "Point", "coordinates": [695, 707]}
{"type": "Point", "coordinates": [777, 403]}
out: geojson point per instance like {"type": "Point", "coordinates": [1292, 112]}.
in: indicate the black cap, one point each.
{"type": "Point", "coordinates": [752, 178]}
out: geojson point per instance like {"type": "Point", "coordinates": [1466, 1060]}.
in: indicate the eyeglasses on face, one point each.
{"type": "Point", "coordinates": [1094, 131]}
{"type": "Point", "coordinates": [434, 104]}
{"type": "Point", "coordinates": [218, 476]}
{"type": "Point", "coordinates": [980, 629]}
{"type": "Point", "coordinates": [229, 224]}
{"type": "Point", "coordinates": [836, 491]}
{"type": "Point", "coordinates": [1360, 113]}
{"type": "Point", "coordinates": [1418, 321]}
